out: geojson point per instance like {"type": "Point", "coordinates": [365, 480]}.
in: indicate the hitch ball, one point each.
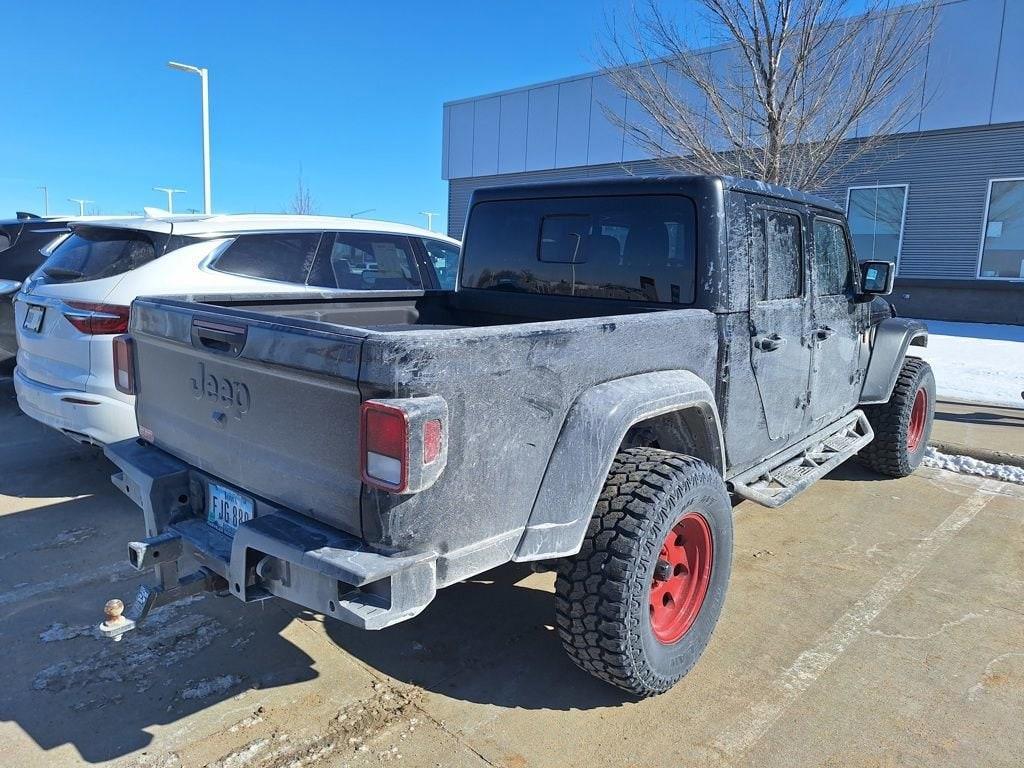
{"type": "Point", "coordinates": [114, 623]}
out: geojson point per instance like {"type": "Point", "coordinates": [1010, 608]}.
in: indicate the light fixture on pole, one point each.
{"type": "Point", "coordinates": [171, 192]}
{"type": "Point", "coordinates": [204, 77]}
{"type": "Point", "coordinates": [430, 219]}
{"type": "Point", "coordinates": [81, 204]}
{"type": "Point", "coordinates": [357, 214]}
{"type": "Point", "coordinates": [46, 201]}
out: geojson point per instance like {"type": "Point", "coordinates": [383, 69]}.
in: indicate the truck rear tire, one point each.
{"type": "Point", "coordinates": [637, 605]}
{"type": "Point", "coordinates": [903, 425]}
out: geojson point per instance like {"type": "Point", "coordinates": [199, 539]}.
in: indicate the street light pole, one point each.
{"type": "Point", "coordinates": [81, 204]}
{"type": "Point", "coordinates": [46, 201]}
{"type": "Point", "coordinates": [204, 78]}
{"type": "Point", "coordinates": [430, 219]}
{"type": "Point", "coordinates": [171, 192]}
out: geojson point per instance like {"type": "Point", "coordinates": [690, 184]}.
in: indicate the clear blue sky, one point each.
{"type": "Point", "coordinates": [351, 91]}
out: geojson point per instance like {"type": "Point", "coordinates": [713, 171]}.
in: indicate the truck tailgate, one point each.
{"type": "Point", "coordinates": [266, 404]}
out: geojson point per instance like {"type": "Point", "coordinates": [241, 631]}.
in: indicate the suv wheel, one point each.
{"type": "Point", "coordinates": [903, 425]}
{"type": "Point", "coordinates": [637, 605]}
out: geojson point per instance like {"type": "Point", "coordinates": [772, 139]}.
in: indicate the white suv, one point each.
{"type": "Point", "coordinates": [70, 309]}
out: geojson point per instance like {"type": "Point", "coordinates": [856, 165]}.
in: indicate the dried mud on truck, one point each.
{"type": "Point", "coordinates": [620, 360]}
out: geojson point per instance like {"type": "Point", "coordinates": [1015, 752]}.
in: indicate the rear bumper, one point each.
{"type": "Point", "coordinates": [278, 553]}
{"type": "Point", "coordinates": [83, 416]}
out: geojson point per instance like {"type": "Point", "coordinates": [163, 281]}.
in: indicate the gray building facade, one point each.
{"type": "Point", "coordinates": [944, 199]}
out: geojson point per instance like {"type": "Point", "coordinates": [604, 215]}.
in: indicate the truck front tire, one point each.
{"type": "Point", "coordinates": [903, 425]}
{"type": "Point", "coordinates": [637, 605]}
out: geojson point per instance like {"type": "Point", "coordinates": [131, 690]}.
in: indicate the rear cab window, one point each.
{"type": "Point", "coordinates": [637, 248]}
{"type": "Point", "coordinates": [93, 253]}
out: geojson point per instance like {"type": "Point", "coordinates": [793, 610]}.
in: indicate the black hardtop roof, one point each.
{"type": "Point", "coordinates": [668, 183]}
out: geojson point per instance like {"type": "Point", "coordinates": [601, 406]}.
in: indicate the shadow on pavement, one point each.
{"type": "Point", "coordinates": [489, 640]}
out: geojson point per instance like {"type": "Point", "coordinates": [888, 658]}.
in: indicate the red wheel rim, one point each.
{"type": "Point", "coordinates": [681, 578]}
{"type": "Point", "coordinates": [918, 417]}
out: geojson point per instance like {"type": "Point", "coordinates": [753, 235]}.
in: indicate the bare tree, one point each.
{"type": "Point", "coordinates": [302, 201]}
{"type": "Point", "coordinates": [777, 100]}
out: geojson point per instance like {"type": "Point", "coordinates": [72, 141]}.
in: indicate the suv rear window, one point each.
{"type": "Point", "coordinates": [283, 256]}
{"type": "Point", "coordinates": [637, 248]}
{"type": "Point", "coordinates": [92, 253]}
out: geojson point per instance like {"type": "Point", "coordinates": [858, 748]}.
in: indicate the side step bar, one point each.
{"type": "Point", "coordinates": [776, 481]}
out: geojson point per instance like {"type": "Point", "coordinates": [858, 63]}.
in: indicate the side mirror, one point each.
{"type": "Point", "coordinates": [877, 278]}
{"type": "Point", "coordinates": [9, 287]}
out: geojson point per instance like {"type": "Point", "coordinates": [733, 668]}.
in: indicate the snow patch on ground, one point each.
{"type": "Point", "coordinates": [976, 362]}
{"type": "Point", "coordinates": [965, 465]}
{"type": "Point", "coordinates": [210, 687]}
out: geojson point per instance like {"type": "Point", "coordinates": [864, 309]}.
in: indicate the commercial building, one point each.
{"type": "Point", "coordinates": [944, 198]}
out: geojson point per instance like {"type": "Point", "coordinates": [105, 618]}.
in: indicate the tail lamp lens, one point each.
{"type": "Point", "coordinates": [124, 365]}
{"type": "Point", "coordinates": [97, 319]}
{"type": "Point", "coordinates": [385, 433]}
{"type": "Point", "coordinates": [432, 441]}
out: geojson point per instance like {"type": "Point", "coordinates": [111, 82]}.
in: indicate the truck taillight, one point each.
{"type": "Point", "coordinates": [124, 364]}
{"type": "Point", "coordinates": [385, 446]}
{"type": "Point", "coordinates": [97, 319]}
{"type": "Point", "coordinates": [403, 443]}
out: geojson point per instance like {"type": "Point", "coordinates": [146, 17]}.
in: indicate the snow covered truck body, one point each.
{"type": "Point", "coordinates": [620, 357]}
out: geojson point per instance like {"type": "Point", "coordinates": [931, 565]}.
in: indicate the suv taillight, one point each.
{"type": "Point", "coordinates": [97, 319]}
{"type": "Point", "coordinates": [124, 364]}
{"type": "Point", "coordinates": [403, 443]}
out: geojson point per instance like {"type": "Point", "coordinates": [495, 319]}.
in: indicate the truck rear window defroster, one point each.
{"type": "Point", "coordinates": [637, 248]}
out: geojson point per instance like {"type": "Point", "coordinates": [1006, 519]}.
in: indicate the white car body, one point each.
{"type": "Point", "coordinates": [64, 377]}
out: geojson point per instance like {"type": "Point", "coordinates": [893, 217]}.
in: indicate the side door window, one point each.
{"type": "Point", "coordinates": [445, 259]}
{"type": "Point", "coordinates": [362, 261]}
{"type": "Point", "coordinates": [833, 270]}
{"type": "Point", "coordinates": [282, 256]}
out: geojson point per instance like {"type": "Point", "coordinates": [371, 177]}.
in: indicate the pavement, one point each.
{"type": "Point", "coordinates": [869, 622]}
{"type": "Point", "coordinates": [983, 432]}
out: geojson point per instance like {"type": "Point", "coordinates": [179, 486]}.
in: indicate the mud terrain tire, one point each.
{"type": "Point", "coordinates": [903, 425]}
{"type": "Point", "coordinates": [661, 538]}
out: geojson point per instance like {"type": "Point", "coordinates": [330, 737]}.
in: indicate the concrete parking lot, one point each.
{"type": "Point", "coordinates": [869, 623]}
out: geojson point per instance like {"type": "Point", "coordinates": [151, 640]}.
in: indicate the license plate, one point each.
{"type": "Point", "coordinates": [34, 318]}
{"type": "Point", "coordinates": [225, 509]}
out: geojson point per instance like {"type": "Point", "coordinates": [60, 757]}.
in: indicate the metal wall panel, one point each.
{"type": "Point", "coordinates": [973, 77]}
{"type": "Point", "coordinates": [962, 65]}
{"type": "Point", "coordinates": [947, 173]}
{"type": "Point", "coordinates": [607, 111]}
{"type": "Point", "coordinates": [540, 133]}
{"type": "Point", "coordinates": [573, 129]}
{"type": "Point", "coordinates": [486, 117]}
{"type": "Point", "coordinates": [512, 135]}
{"type": "Point", "coordinates": [460, 140]}
{"type": "Point", "coordinates": [1008, 96]}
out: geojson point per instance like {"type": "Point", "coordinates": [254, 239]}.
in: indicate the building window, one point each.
{"type": "Point", "coordinates": [876, 216]}
{"type": "Point", "coordinates": [1002, 240]}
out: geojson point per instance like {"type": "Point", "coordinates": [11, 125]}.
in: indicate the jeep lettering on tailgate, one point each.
{"type": "Point", "coordinates": [230, 394]}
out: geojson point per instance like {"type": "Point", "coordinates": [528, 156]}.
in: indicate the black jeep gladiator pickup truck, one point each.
{"type": "Point", "coordinates": [619, 359]}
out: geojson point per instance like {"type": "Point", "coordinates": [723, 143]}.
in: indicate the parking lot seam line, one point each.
{"type": "Point", "coordinates": [815, 661]}
{"type": "Point", "coordinates": [69, 581]}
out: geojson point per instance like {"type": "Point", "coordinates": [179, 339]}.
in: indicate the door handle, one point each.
{"type": "Point", "coordinates": [769, 343]}
{"type": "Point", "coordinates": [823, 333]}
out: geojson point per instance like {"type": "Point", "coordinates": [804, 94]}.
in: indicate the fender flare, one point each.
{"type": "Point", "coordinates": [892, 337]}
{"type": "Point", "coordinates": [593, 430]}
